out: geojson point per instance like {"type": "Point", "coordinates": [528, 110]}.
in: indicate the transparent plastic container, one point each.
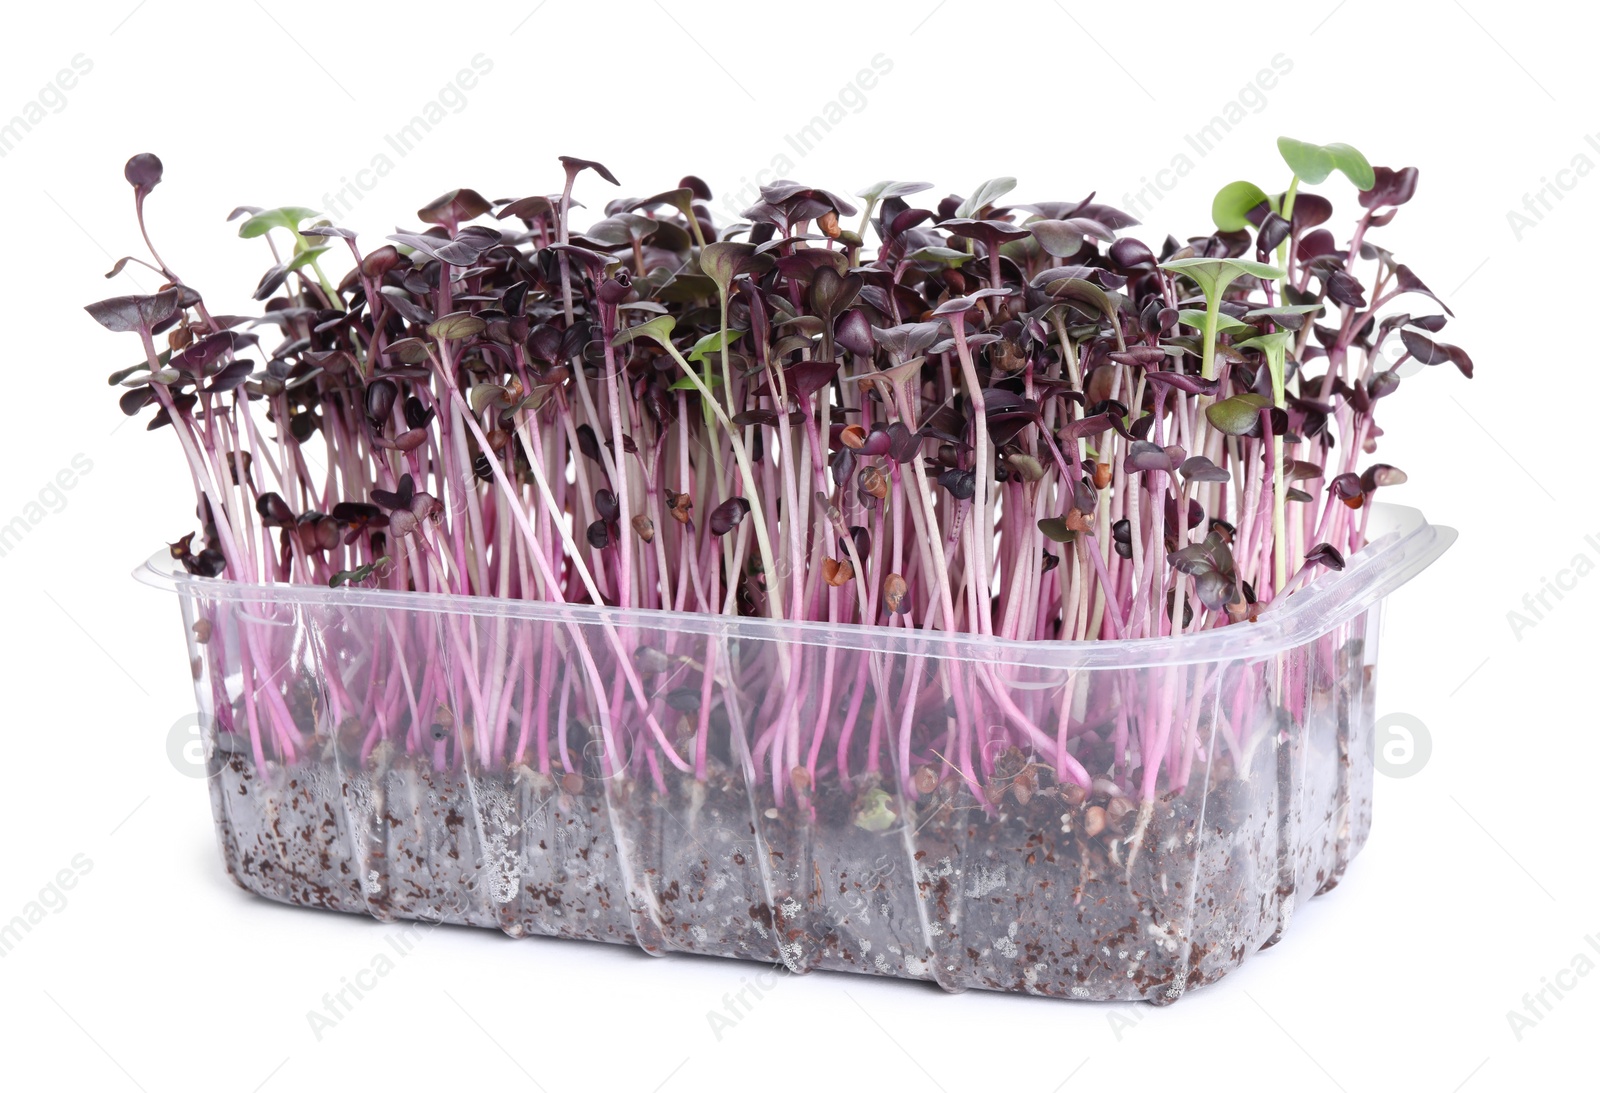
{"type": "Point", "coordinates": [848, 798]}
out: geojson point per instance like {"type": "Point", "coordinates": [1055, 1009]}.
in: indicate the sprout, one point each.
{"type": "Point", "coordinates": [1016, 421]}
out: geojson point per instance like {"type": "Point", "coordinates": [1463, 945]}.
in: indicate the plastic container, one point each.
{"type": "Point", "coordinates": [488, 762]}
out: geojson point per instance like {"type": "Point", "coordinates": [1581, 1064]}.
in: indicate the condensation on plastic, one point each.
{"type": "Point", "coordinates": [401, 755]}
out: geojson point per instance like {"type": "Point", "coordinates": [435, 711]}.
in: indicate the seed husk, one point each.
{"type": "Point", "coordinates": [894, 592]}
{"type": "Point", "coordinates": [1094, 821]}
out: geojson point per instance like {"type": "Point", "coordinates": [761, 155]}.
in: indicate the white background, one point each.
{"type": "Point", "coordinates": [1479, 882]}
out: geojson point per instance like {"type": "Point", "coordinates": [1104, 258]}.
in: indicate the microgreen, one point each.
{"type": "Point", "coordinates": [1018, 421]}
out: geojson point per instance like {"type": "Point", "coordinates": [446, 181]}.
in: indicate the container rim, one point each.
{"type": "Point", "coordinates": [1403, 544]}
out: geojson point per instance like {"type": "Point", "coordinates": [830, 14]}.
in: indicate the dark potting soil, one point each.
{"type": "Point", "coordinates": [1036, 887]}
